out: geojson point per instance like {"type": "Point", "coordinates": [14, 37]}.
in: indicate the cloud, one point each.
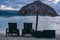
{"type": "Point", "coordinates": [23, 1]}
{"type": "Point", "coordinates": [54, 1]}
{"type": "Point", "coordinates": [58, 7]}
{"type": "Point", "coordinates": [55, 4]}
{"type": "Point", "coordinates": [3, 7]}
{"type": "Point", "coordinates": [17, 4]}
{"type": "Point", "coordinates": [14, 3]}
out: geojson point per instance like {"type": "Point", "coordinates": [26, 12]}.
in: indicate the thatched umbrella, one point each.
{"type": "Point", "coordinates": [37, 7]}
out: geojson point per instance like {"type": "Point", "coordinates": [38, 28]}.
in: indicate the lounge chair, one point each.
{"type": "Point", "coordinates": [48, 33]}
{"type": "Point", "coordinates": [12, 29]}
{"type": "Point", "coordinates": [27, 29]}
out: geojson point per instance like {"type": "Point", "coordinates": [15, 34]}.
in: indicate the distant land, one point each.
{"type": "Point", "coordinates": [9, 13]}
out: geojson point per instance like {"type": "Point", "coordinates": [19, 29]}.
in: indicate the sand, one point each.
{"type": "Point", "coordinates": [3, 37]}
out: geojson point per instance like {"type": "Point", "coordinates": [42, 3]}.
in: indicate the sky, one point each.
{"type": "Point", "coordinates": [18, 4]}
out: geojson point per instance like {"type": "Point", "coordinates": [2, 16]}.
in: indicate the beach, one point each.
{"type": "Point", "coordinates": [3, 37]}
{"type": "Point", "coordinates": [45, 23]}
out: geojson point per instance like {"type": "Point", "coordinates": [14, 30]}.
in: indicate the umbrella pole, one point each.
{"type": "Point", "coordinates": [36, 21]}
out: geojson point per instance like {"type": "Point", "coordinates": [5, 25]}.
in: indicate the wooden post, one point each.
{"type": "Point", "coordinates": [36, 21]}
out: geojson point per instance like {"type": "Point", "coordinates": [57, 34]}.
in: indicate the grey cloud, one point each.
{"type": "Point", "coordinates": [16, 3]}
{"type": "Point", "coordinates": [2, 0]}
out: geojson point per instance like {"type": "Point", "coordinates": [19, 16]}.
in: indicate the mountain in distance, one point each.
{"type": "Point", "coordinates": [9, 13]}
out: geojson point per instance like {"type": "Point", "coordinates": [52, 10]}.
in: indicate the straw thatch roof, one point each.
{"type": "Point", "coordinates": [43, 9]}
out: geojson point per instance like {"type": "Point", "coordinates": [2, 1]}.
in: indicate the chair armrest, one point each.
{"type": "Point", "coordinates": [23, 31]}
{"type": "Point", "coordinates": [31, 30]}
{"type": "Point", "coordinates": [7, 30]}
{"type": "Point", "coordinates": [17, 29]}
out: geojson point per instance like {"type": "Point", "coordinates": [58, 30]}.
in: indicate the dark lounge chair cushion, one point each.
{"type": "Point", "coordinates": [37, 34]}
{"type": "Point", "coordinates": [49, 33]}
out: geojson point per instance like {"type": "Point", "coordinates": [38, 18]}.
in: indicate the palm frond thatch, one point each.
{"type": "Point", "coordinates": [36, 8]}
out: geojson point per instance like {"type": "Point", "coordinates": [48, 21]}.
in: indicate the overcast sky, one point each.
{"type": "Point", "coordinates": [17, 4]}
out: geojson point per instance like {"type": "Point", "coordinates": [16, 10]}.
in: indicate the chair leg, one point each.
{"type": "Point", "coordinates": [11, 34]}
{"type": "Point", "coordinates": [6, 34]}
{"type": "Point", "coordinates": [18, 33]}
{"type": "Point", "coordinates": [22, 34]}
